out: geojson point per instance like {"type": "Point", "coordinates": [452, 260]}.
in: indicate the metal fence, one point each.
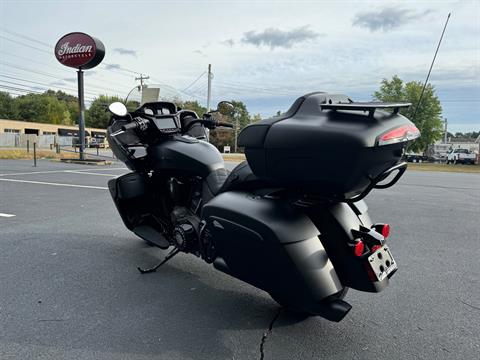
{"type": "Point", "coordinates": [9, 140]}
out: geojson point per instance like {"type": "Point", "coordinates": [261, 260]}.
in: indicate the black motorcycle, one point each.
{"type": "Point", "coordinates": [290, 220]}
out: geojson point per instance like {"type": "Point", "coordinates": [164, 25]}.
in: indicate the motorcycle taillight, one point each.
{"type": "Point", "coordinates": [399, 134]}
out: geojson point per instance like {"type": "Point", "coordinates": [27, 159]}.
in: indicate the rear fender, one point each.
{"type": "Point", "coordinates": [336, 223]}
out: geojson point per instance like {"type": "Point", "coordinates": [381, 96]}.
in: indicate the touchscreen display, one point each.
{"type": "Point", "coordinates": [165, 123]}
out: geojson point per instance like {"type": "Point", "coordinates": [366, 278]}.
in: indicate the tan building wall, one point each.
{"type": "Point", "coordinates": [33, 127]}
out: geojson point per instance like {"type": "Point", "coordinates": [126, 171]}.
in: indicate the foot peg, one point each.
{"type": "Point", "coordinates": [170, 255]}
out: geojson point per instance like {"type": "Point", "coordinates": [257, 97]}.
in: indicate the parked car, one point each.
{"type": "Point", "coordinates": [416, 158]}
{"type": "Point", "coordinates": [98, 143]}
{"type": "Point", "coordinates": [461, 156]}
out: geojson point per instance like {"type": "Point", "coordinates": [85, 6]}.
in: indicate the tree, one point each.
{"type": "Point", "coordinates": [43, 108]}
{"type": "Point", "coordinates": [97, 114]}
{"type": "Point", "coordinates": [193, 106]}
{"type": "Point", "coordinates": [428, 116]}
{"type": "Point", "coordinates": [7, 106]}
{"type": "Point", "coordinates": [70, 101]}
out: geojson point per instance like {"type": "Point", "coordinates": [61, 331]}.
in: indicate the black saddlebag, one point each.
{"type": "Point", "coordinates": [270, 244]}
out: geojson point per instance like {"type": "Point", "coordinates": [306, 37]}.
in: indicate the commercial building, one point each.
{"type": "Point", "coordinates": [35, 128]}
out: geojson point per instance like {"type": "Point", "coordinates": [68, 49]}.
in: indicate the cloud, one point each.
{"type": "Point", "coordinates": [123, 51]}
{"type": "Point", "coordinates": [70, 79]}
{"type": "Point", "coordinates": [228, 42]}
{"type": "Point", "coordinates": [386, 19]}
{"type": "Point", "coordinates": [276, 38]}
{"type": "Point", "coordinates": [112, 66]}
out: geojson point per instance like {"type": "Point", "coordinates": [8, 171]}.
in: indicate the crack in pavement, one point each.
{"type": "Point", "coordinates": [266, 333]}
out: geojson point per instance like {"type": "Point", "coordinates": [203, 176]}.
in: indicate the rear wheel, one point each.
{"type": "Point", "coordinates": [284, 303]}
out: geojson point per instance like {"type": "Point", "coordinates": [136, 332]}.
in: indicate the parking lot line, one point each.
{"type": "Point", "coordinates": [55, 184]}
{"type": "Point", "coordinates": [80, 171]}
{"type": "Point", "coordinates": [6, 215]}
{"type": "Point", "coordinates": [34, 172]}
{"type": "Point", "coordinates": [89, 173]}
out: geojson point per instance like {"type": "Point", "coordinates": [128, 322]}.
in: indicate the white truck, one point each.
{"type": "Point", "coordinates": [461, 156]}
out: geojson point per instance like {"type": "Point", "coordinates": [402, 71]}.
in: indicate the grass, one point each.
{"type": "Point", "coordinates": [233, 157]}
{"type": "Point", "coordinates": [458, 168]}
{"type": "Point", "coordinates": [19, 154]}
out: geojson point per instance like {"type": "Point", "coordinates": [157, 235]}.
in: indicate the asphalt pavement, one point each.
{"type": "Point", "coordinates": [69, 288]}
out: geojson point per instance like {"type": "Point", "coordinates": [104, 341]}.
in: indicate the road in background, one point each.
{"type": "Point", "coordinates": [70, 288]}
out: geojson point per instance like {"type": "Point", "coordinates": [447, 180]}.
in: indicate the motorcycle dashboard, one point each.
{"type": "Point", "coordinates": [166, 124]}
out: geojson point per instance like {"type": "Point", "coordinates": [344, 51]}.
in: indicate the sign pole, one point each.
{"type": "Point", "coordinates": [81, 118]}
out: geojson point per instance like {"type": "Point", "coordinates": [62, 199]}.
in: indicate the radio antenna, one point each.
{"type": "Point", "coordinates": [431, 66]}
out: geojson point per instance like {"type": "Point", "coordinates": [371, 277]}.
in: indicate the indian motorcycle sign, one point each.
{"type": "Point", "coordinates": [79, 50]}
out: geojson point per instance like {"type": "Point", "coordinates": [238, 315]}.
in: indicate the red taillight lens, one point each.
{"type": "Point", "coordinates": [359, 248]}
{"type": "Point", "coordinates": [383, 229]}
{"type": "Point", "coordinates": [386, 230]}
{"type": "Point", "coordinates": [403, 133]}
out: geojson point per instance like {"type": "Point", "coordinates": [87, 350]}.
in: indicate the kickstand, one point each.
{"type": "Point", "coordinates": [170, 255]}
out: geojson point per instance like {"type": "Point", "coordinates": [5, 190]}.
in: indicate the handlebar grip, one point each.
{"type": "Point", "coordinates": [137, 123]}
{"type": "Point", "coordinates": [130, 126]}
{"type": "Point", "coordinates": [224, 124]}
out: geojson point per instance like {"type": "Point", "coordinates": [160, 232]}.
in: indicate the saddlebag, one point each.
{"type": "Point", "coordinates": [270, 244]}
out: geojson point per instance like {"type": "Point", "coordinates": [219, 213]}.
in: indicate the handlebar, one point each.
{"type": "Point", "coordinates": [137, 123]}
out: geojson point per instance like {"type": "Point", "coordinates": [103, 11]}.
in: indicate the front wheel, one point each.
{"type": "Point", "coordinates": [284, 303]}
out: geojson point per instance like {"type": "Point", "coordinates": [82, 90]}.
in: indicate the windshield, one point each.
{"type": "Point", "coordinates": [151, 93]}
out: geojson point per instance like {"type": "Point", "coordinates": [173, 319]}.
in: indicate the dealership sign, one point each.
{"type": "Point", "coordinates": [79, 50]}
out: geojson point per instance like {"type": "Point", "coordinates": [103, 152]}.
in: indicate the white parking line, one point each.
{"type": "Point", "coordinates": [101, 169]}
{"type": "Point", "coordinates": [6, 215]}
{"type": "Point", "coordinates": [55, 184]}
{"type": "Point", "coordinates": [89, 173]}
{"type": "Point", "coordinates": [79, 171]}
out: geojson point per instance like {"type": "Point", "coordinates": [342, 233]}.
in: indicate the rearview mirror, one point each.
{"type": "Point", "coordinates": [225, 108]}
{"type": "Point", "coordinates": [118, 108]}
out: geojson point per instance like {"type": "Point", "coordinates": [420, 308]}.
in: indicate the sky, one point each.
{"type": "Point", "coordinates": [265, 53]}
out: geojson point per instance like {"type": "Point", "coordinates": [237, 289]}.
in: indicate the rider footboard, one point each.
{"type": "Point", "coordinates": [268, 243]}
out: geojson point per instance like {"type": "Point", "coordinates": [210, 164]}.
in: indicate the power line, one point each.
{"type": "Point", "coordinates": [20, 43]}
{"type": "Point", "coordinates": [26, 37]}
{"type": "Point", "coordinates": [39, 83]}
{"type": "Point", "coordinates": [193, 83]}
{"type": "Point", "coordinates": [52, 76]}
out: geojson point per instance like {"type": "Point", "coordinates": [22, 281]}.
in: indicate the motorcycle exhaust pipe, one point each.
{"type": "Point", "coordinates": [334, 310]}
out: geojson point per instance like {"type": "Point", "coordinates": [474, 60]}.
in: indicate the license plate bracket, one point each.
{"type": "Point", "coordinates": [382, 264]}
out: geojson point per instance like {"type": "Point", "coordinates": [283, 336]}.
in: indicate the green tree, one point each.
{"type": "Point", "coordinates": [255, 118]}
{"type": "Point", "coordinates": [7, 106]}
{"type": "Point", "coordinates": [43, 108]}
{"type": "Point", "coordinates": [70, 101]}
{"type": "Point", "coordinates": [193, 106]}
{"type": "Point", "coordinates": [97, 114]}
{"type": "Point", "coordinates": [428, 116]}
{"type": "Point", "coordinates": [241, 114]}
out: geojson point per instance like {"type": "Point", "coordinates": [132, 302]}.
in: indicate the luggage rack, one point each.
{"type": "Point", "coordinates": [367, 106]}
{"type": "Point", "coordinates": [375, 183]}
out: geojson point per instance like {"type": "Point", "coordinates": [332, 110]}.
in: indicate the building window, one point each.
{"type": "Point", "coordinates": [48, 132]}
{"type": "Point", "coordinates": [13, 131]}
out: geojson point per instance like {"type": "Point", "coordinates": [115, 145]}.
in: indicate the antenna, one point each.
{"type": "Point", "coordinates": [431, 66]}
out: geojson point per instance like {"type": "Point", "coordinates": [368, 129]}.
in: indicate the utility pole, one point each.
{"type": "Point", "coordinates": [209, 94]}
{"type": "Point", "coordinates": [446, 132]}
{"type": "Point", "coordinates": [236, 131]}
{"type": "Point", "coordinates": [141, 78]}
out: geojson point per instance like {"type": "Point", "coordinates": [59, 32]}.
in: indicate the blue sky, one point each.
{"type": "Point", "coordinates": [265, 53]}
